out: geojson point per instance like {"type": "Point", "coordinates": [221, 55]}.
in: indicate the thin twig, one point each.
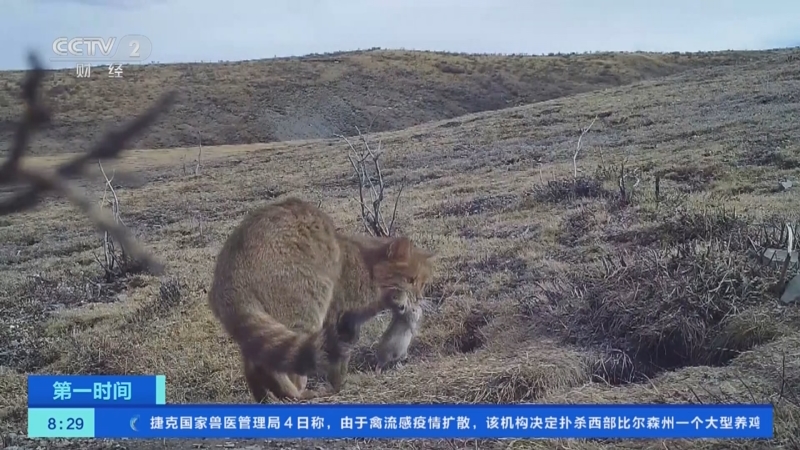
{"type": "Point", "coordinates": [394, 210]}
{"type": "Point", "coordinates": [578, 150]}
{"type": "Point", "coordinates": [199, 155]}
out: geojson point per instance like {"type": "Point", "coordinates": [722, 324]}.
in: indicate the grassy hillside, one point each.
{"type": "Point", "coordinates": [322, 96]}
{"type": "Point", "coordinates": [550, 288]}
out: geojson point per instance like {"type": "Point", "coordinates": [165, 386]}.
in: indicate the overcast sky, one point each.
{"type": "Point", "coordinates": [210, 30]}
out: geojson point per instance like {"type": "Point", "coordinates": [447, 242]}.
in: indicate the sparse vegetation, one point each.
{"type": "Point", "coordinates": [549, 288]}
{"type": "Point", "coordinates": [321, 96]}
{"type": "Point", "coordinates": [665, 309]}
{"type": "Point", "coordinates": [565, 191]}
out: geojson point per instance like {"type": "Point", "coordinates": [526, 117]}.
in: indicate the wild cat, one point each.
{"type": "Point", "coordinates": [293, 292]}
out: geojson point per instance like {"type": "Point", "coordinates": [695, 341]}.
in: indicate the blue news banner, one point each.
{"type": "Point", "coordinates": [134, 407]}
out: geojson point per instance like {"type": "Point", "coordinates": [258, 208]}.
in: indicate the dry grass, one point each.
{"type": "Point", "coordinates": [320, 96]}
{"type": "Point", "coordinates": [493, 194]}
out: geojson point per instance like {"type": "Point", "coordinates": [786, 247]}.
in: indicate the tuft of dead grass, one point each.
{"type": "Point", "coordinates": [691, 179]}
{"type": "Point", "coordinates": [578, 226]}
{"type": "Point", "coordinates": [685, 225]}
{"type": "Point", "coordinates": [565, 191]}
{"type": "Point", "coordinates": [765, 375]}
{"type": "Point", "coordinates": [670, 308]}
{"type": "Point", "coordinates": [483, 378]}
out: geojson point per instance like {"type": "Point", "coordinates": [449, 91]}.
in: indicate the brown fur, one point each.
{"type": "Point", "coordinates": [394, 343]}
{"type": "Point", "coordinates": [276, 279]}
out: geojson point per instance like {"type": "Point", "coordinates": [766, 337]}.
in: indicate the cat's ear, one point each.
{"type": "Point", "coordinates": [399, 249]}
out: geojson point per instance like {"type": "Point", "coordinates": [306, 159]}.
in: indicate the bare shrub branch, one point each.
{"type": "Point", "coordinates": [41, 183]}
{"type": "Point", "coordinates": [116, 262]}
{"type": "Point", "coordinates": [109, 262]}
{"type": "Point", "coordinates": [626, 193]}
{"type": "Point", "coordinates": [578, 150]}
{"type": "Point", "coordinates": [199, 155]}
{"type": "Point", "coordinates": [371, 215]}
